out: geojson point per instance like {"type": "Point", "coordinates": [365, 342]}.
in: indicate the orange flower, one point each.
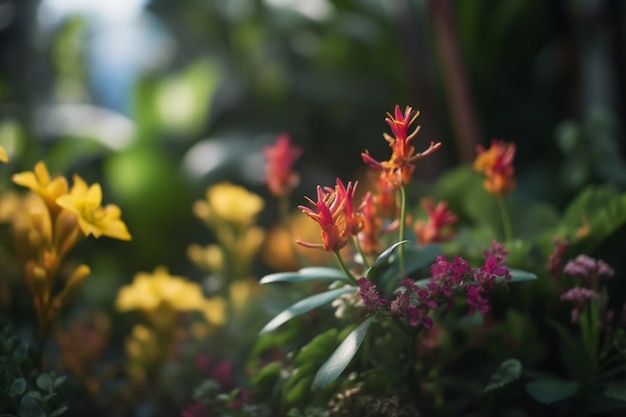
{"type": "Point", "coordinates": [497, 164]}
{"type": "Point", "coordinates": [372, 227]}
{"type": "Point", "coordinates": [334, 212]}
{"type": "Point", "coordinates": [399, 169]}
{"type": "Point", "coordinates": [280, 157]}
{"type": "Point", "coordinates": [437, 228]}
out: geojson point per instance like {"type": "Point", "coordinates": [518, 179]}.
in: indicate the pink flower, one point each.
{"type": "Point", "coordinates": [438, 226]}
{"type": "Point", "coordinates": [280, 158]}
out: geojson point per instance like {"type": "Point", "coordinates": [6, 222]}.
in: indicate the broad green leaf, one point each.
{"type": "Point", "coordinates": [517, 275]}
{"type": "Point", "coordinates": [29, 407]}
{"type": "Point", "coordinates": [17, 387]}
{"type": "Point", "coordinates": [44, 381]}
{"type": "Point", "coordinates": [616, 390]}
{"type": "Point", "coordinates": [551, 390]}
{"type": "Point", "coordinates": [340, 359]}
{"type": "Point", "coordinates": [305, 305]}
{"type": "Point", "coordinates": [600, 209]}
{"type": "Point", "coordinates": [507, 372]}
{"type": "Point", "coordinates": [306, 274]}
{"type": "Point", "coordinates": [382, 260]}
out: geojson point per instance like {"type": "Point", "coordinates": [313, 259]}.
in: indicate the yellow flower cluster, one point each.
{"type": "Point", "coordinates": [161, 292]}
{"type": "Point", "coordinates": [230, 211]}
{"type": "Point", "coordinates": [161, 297]}
{"type": "Point", "coordinates": [46, 224]}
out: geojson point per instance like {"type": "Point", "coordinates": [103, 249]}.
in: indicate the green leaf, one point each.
{"type": "Point", "coordinates": [551, 390]}
{"type": "Point", "coordinates": [305, 305]}
{"type": "Point", "coordinates": [381, 261]}
{"type": "Point", "coordinates": [58, 381]}
{"type": "Point", "coordinates": [415, 258]}
{"type": "Point", "coordinates": [29, 407]}
{"type": "Point", "coordinates": [616, 390]}
{"type": "Point", "coordinates": [507, 372]}
{"type": "Point", "coordinates": [601, 208]}
{"type": "Point", "coordinates": [340, 359]}
{"type": "Point", "coordinates": [517, 275]}
{"type": "Point", "coordinates": [306, 274]}
{"type": "Point", "coordinates": [45, 382]}
{"type": "Point", "coordinates": [62, 409]}
{"type": "Point", "coordinates": [17, 387]}
{"type": "Point", "coordinates": [475, 319]}
{"type": "Point", "coordinates": [266, 375]}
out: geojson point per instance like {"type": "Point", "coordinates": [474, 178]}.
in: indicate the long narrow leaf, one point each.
{"type": "Point", "coordinates": [382, 260]}
{"type": "Point", "coordinates": [305, 305]}
{"type": "Point", "coordinates": [517, 275]}
{"type": "Point", "coordinates": [306, 274]}
{"type": "Point", "coordinates": [339, 360]}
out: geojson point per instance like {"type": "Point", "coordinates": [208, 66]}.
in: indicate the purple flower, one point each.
{"type": "Point", "coordinates": [578, 296]}
{"type": "Point", "coordinates": [588, 269]}
{"type": "Point", "coordinates": [369, 294]}
{"type": "Point", "coordinates": [498, 251]}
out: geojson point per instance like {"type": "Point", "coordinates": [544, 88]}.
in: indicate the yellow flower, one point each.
{"type": "Point", "coordinates": [39, 181]}
{"type": "Point", "coordinates": [214, 311]}
{"type": "Point", "coordinates": [233, 203]}
{"type": "Point", "coordinates": [149, 291]}
{"type": "Point", "coordinates": [85, 201]}
{"type": "Point", "coordinates": [3, 155]}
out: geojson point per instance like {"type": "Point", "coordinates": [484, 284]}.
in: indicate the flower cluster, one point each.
{"type": "Point", "coordinates": [438, 227]}
{"type": "Point", "coordinates": [585, 270]}
{"type": "Point", "coordinates": [46, 224]}
{"type": "Point", "coordinates": [416, 299]}
{"type": "Point", "coordinates": [588, 269]}
{"type": "Point", "coordinates": [334, 211]}
{"type": "Point", "coordinates": [496, 163]}
{"type": "Point", "coordinates": [399, 169]}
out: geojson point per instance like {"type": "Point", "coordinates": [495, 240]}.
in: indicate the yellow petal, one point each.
{"type": "Point", "coordinates": [3, 155]}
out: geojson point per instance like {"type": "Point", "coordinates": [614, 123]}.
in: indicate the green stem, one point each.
{"type": "Point", "coordinates": [344, 268]}
{"type": "Point", "coordinates": [401, 228]}
{"type": "Point", "coordinates": [283, 215]}
{"type": "Point", "coordinates": [357, 244]}
{"type": "Point", "coordinates": [506, 221]}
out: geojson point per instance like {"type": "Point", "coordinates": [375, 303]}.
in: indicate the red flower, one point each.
{"type": "Point", "coordinates": [497, 165]}
{"type": "Point", "coordinates": [335, 213]}
{"type": "Point", "coordinates": [440, 220]}
{"type": "Point", "coordinates": [399, 169]}
{"type": "Point", "coordinates": [280, 157]}
{"type": "Point", "coordinates": [372, 227]}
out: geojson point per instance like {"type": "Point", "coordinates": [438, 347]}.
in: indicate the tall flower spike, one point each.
{"type": "Point", "coordinates": [496, 163]}
{"type": "Point", "coordinates": [399, 169]}
{"type": "Point", "coordinates": [280, 158]}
